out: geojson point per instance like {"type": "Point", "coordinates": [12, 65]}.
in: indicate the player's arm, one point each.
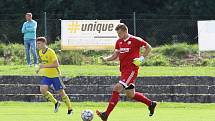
{"type": "Point", "coordinates": [112, 57]}
{"type": "Point", "coordinates": [141, 43]}
{"type": "Point", "coordinates": [55, 64]}
{"type": "Point", "coordinates": [148, 49]}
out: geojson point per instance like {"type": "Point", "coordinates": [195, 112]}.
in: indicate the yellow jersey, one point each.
{"type": "Point", "coordinates": [48, 57]}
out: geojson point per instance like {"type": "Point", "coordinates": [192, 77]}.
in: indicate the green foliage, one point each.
{"type": "Point", "coordinates": [12, 54]}
{"type": "Point", "coordinates": [1, 61]}
{"type": "Point", "coordinates": [168, 55]}
{"type": "Point", "coordinates": [157, 60]}
{"type": "Point", "coordinates": [2, 46]}
{"type": "Point", "coordinates": [71, 58]}
{"type": "Point", "coordinates": [55, 46]}
{"type": "Point", "coordinates": [209, 62]}
{"type": "Point", "coordinates": [181, 54]}
{"type": "Point", "coordinates": [99, 9]}
{"type": "Point", "coordinates": [178, 50]}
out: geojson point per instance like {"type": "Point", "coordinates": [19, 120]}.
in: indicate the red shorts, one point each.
{"type": "Point", "coordinates": [128, 77]}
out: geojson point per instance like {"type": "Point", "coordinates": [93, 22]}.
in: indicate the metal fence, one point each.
{"type": "Point", "coordinates": [157, 31]}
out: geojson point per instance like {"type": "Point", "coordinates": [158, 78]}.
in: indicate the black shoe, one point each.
{"type": "Point", "coordinates": [56, 107]}
{"type": "Point", "coordinates": [102, 115]}
{"type": "Point", "coordinates": [70, 112]}
{"type": "Point", "coordinates": [152, 108]}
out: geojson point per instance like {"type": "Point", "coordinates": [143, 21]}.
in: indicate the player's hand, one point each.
{"type": "Point", "coordinates": [102, 58]}
{"type": "Point", "coordinates": [41, 66]}
{"type": "Point", "coordinates": [37, 69]}
{"type": "Point", "coordinates": [138, 61]}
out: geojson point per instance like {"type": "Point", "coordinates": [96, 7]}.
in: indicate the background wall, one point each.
{"type": "Point", "coordinates": [99, 88]}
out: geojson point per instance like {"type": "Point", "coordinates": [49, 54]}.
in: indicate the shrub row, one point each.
{"type": "Point", "coordinates": [180, 54]}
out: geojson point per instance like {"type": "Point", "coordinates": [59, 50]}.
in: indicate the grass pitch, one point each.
{"type": "Point", "coordinates": [125, 111]}
{"type": "Point", "coordinates": [103, 70]}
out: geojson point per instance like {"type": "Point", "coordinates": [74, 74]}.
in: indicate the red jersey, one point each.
{"type": "Point", "coordinates": [129, 49]}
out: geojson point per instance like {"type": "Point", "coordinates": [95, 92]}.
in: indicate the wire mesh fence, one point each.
{"type": "Point", "coordinates": [156, 31]}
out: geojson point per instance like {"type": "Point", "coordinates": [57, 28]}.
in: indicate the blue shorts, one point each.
{"type": "Point", "coordinates": [56, 82]}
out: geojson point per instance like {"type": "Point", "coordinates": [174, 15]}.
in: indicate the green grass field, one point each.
{"type": "Point", "coordinates": [125, 111]}
{"type": "Point", "coordinates": [103, 70]}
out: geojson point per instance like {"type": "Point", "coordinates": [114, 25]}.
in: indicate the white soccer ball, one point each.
{"type": "Point", "coordinates": [87, 115]}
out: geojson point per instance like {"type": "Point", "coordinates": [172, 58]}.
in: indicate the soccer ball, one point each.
{"type": "Point", "coordinates": [87, 115]}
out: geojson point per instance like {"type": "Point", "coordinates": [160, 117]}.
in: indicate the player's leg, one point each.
{"type": "Point", "coordinates": [130, 93]}
{"type": "Point", "coordinates": [47, 94]}
{"type": "Point", "coordinates": [27, 52]}
{"type": "Point", "coordinates": [130, 88]}
{"type": "Point", "coordinates": [66, 100]}
{"type": "Point", "coordinates": [115, 98]}
{"type": "Point", "coordinates": [112, 102]}
{"type": "Point", "coordinates": [45, 83]}
{"type": "Point", "coordinates": [33, 49]}
{"type": "Point", "coordinates": [59, 86]}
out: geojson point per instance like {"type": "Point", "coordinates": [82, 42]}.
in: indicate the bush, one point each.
{"type": "Point", "coordinates": [178, 50]}
{"type": "Point", "coordinates": [55, 46]}
{"type": "Point", "coordinates": [167, 55]}
{"type": "Point", "coordinates": [2, 46]}
{"type": "Point", "coordinates": [208, 62]}
{"type": "Point", "coordinates": [71, 58]}
{"type": "Point", "coordinates": [13, 54]}
{"type": "Point", "coordinates": [157, 60]}
{"type": "Point", "coordinates": [96, 53]}
{"type": "Point", "coordinates": [1, 61]}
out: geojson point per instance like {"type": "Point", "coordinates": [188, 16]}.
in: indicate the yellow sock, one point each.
{"type": "Point", "coordinates": [50, 97]}
{"type": "Point", "coordinates": [67, 102]}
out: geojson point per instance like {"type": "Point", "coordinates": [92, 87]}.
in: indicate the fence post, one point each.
{"type": "Point", "coordinates": [45, 24]}
{"type": "Point", "coordinates": [134, 19]}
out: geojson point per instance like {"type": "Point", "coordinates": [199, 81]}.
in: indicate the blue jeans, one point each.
{"type": "Point", "coordinates": [30, 43]}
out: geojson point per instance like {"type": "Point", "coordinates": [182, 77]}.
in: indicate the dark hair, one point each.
{"type": "Point", "coordinates": [29, 14]}
{"type": "Point", "coordinates": [122, 27]}
{"type": "Point", "coordinates": [42, 39]}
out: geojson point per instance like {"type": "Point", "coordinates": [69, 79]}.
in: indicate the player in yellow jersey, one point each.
{"type": "Point", "coordinates": [49, 68]}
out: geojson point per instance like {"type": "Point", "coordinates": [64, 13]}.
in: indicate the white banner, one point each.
{"type": "Point", "coordinates": [206, 35]}
{"type": "Point", "coordinates": [88, 34]}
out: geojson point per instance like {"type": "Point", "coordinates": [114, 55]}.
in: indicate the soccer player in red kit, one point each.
{"type": "Point", "coordinates": [127, 48]}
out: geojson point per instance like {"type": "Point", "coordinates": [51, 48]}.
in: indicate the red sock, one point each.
{"type": "Point", "coordinates": [112, 103]}
{"type": "Point", "coordinates": [141, 98]}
